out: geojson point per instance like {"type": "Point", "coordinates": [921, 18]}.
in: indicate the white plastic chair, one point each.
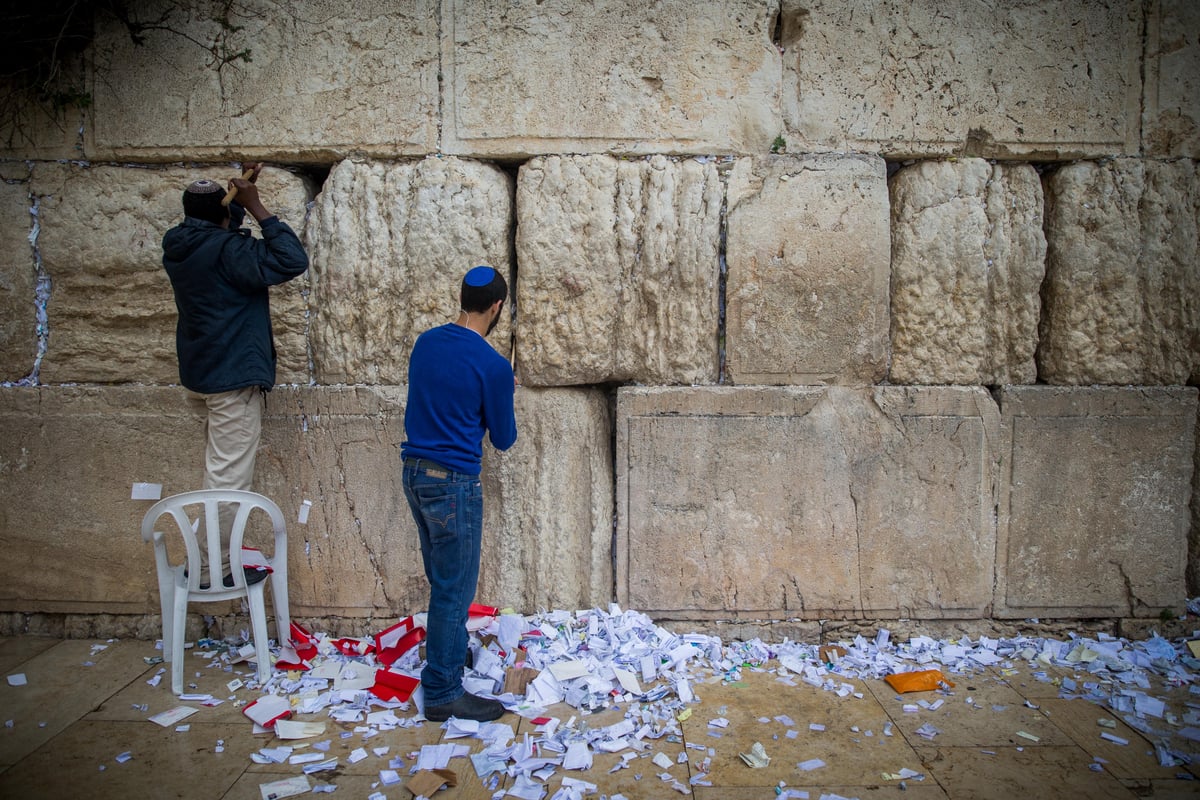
{"type": "Point", "coordinates": [179, 584]}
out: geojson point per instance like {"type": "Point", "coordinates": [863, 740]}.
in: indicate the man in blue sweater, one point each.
{"type": "Point", "coordinates": [459, 388]}
{"type": "Point", "coordinates": [220, 275]}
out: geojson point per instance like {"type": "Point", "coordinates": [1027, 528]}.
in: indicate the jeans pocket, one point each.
{"type": "Point", "coordinates": [440, 511]}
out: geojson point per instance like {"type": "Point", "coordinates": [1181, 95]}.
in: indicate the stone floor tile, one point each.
{"type": "Point", "coordinates": [993, 719]}
{"type": "Point", "coordinates": [163, 763]}
{"type": "Point", "coordinates": [1024, 773]}
{"type": "Point", "coordinates": [1136, 760]}
{"type": "Point", "coordinates": [356, 786]}
{"type": "Point", "coordinates": [126, 704]}
{"type": "Point", "coordinates": [923, 790]}
{"type": "Point", "coordinates": [401, 742]}
{"type": "Point", "coordinates": [61, 689]}
{"type": "Point", "coordinates": [1165, 790]}
{"type": "Point", "coordinates": [16, 650]}
{"type": "Point", "coordinates": [848, 755]}
{"type": "Point", "coordinates": [1021, 678]}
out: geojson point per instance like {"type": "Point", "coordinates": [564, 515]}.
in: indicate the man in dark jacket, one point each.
{"type": "Point", "coordinates": [220, 275]}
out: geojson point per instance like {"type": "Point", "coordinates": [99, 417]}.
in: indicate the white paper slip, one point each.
{"type": "Point", "coordinates": [172, 717]}
{"type": "Point", "coordinates": [568, 670]}
{"type": "Point", "coordinates": [293, 729]}
{"type": "Point", "coordinates": [17, 679]}
{"type": "Point", "coordinates": [305, 507]}
{"type": "Point", "coordinates": [146, 491]}
{"type": "Point", "coordinates": [288, 787]}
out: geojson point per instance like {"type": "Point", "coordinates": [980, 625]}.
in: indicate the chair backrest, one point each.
{"type": "Point", "coordinates": [205, 504]}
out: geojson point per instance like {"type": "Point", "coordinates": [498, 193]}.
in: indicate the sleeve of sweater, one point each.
{"type": "Point", "coordinates": [498, 405]}
{"type": "Point", "coordinates": [252, 264]}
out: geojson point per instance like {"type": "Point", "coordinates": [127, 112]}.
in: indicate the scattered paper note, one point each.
{"type": "Point", "coordinates": [757, 757]}
{"type": "Point", "coordinates": [172, 717]}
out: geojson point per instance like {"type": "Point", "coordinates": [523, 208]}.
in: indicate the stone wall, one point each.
{"type": "Point", "coordinates": [834, 310]}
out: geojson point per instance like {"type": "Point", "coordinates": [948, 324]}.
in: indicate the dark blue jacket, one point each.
{"type": "Point", "coordinates": [220, 277]}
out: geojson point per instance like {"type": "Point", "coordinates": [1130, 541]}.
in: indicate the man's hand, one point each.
{"type": "Point", "coordinates": [247, 193]}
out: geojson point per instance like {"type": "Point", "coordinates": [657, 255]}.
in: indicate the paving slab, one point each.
{"type": "Point", "coordinates": [16, 650]}
{"type": "Point", "coordinates": [849, 756]}
{"type": "Point", "coordinates": [1080, 720]}
{"type": "Point", "coordinates": [81, 761]}
{"type": "Point", "coordinates": [1005, 773]}
{"type": "Point", "coordinates": [992, 719]}
{"type": "Point", "coordinates": [60, 688]}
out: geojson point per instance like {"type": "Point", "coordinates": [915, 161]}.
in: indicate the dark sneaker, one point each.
{"type": "Point", "coordinates": [468, 706]}
{"type": "Point", "coordinates": [253, 576]}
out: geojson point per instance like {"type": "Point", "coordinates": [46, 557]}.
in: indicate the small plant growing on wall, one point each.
{"type": "Point", "coordinates": [41, 68]}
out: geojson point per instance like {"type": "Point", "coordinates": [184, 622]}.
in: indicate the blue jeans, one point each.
{"type": "Point", "coordinates": [448, 509]}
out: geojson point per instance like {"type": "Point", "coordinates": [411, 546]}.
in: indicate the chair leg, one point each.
{"type": "Point", "coordinates": [279, 598]}
{"type": "Point", "coordinates": [166, 602]}
{"type": "Point", "coordinates": [258, 627]}
{"type": "Point", "coordinates": [178, 631]}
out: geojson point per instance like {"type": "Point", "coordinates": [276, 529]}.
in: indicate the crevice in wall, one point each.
{"type": "Point", "coordinates": [41, 293]}
{"type": "Point", "coordinates": [722, 281]}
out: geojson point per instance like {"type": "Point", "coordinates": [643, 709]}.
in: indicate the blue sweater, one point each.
{"type": "Point", "coordinates": [458, 388]}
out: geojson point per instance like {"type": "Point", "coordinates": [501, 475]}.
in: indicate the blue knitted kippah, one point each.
{"type": "Point", "coordinates": [480, 276]}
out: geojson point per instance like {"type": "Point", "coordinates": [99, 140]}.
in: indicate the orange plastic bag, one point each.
{"type": "Point", "coordinates": [923, 681]}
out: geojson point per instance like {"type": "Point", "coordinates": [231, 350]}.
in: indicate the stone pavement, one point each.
{"type": "Point", "coordinates": [1001, 733]}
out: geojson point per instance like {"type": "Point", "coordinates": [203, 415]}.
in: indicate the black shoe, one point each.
{"type": "Point", "coordinates": [467, 706]}
{"type": "Point", "coordinates": [253, 576]}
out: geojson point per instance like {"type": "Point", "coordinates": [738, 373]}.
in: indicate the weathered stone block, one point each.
{"type": "Point", "coordinates": [69, 455]}
{"type": "Point", "coordinates": [548, 505]}
{"type": "Point", "coordinates": [619, 270]}
{"type": "Point", "coordinates": [339, 447]}
{"type": "Point", "coordinates": [1121, 274]}
{"type": "Point", "coordinates": [390, 243]}
{"type": "Point", "coordinates": [671, 77]}
{"type": "Point", "coordinates": [68, 459]}
{"type": "Point", "coordinates": [808, 262]}
{"type": "Point", "coordinates": [805, 502]}
{"type": "Point", "coordinates": [111, 312]}
{"type": "Point", "coordinates": [1171, 108]}
{"type": "Point", "coordinates": [18, 284]}
{"type": "Point", "coordinates": [1094, 503]}
{"type": "Point", "coordinates": [968, 258]}
{"type": "Point", "coordinates": [1001, 80]}
{"type": "Point", "coordinates": [256, 81]}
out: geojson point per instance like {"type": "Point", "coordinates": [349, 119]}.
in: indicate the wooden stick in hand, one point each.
{"type": "Point", "coordinates": [232, 193]}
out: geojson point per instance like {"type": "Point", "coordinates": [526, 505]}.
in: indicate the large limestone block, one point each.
{"type": "Point", "coordinates": [1122, 292]}
{"type": "Point", "coordinates": [808, 260]}
{"type": "Point", "coordinates": [68, 459]}
{"type": "Point", "coordinates": [806, 502]}
{"type": "Point", "coordinates": [557, 76]}
{"type": "Point", "coordinates": [1171, 107]}
{"type": "Point", "coordinates": [18, 284]}
{"type": "Point", "coordinates": [390, 243]}
{"type": "Point", "coordinates": [316, 83]}
{"type": "Point", "coordinates": [548, 505]}
{"type": "Point", "coordinates": [1094, 504]}
{"type": "Point", "coordinates": [968, 258]}
{"type": "Point", "coordinates": [339, 448]}
{"type": "Point", "coordinates": [995, 79]}
{"type": "Point", "coordinates": [111, 313]}
{"type": "Point", "coordinates": [69, 455]}
{"type": "Point", "coordinates": [547, 502]}
{"type": "Point", "coordinates": [619, 270]}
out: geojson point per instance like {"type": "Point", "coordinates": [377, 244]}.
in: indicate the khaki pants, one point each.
{"type": "Point", "coordinates": [232, 428]}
